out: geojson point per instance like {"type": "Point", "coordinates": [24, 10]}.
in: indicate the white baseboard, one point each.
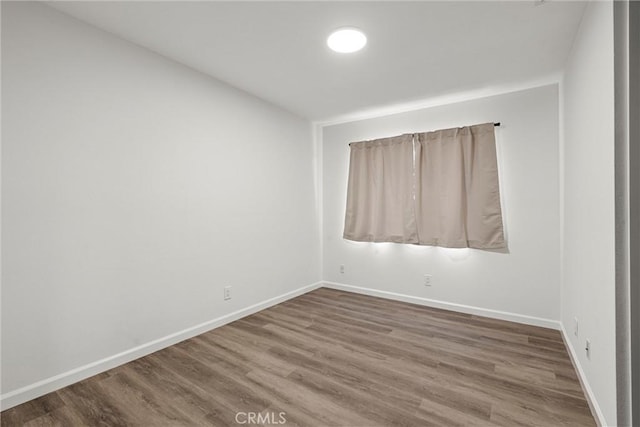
{"type": "Point", "coordinates": [40, 388]}
{"type": "Point", "coordinates": [593, 403]}
{"type": "Point", "coordinates": [468, 309]}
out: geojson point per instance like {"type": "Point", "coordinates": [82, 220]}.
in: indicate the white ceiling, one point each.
{"type": "Point", "coordinates": [416, 50]}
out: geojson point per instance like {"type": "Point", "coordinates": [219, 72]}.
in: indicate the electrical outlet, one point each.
{"type": "Point", "coordinates": [227, 292]}
{"type": "Point", "coordinates": [587, 349]}
{"type": "Point", "coordinates": [341, 268]}
{"type": "Point", "coordinates": [427, 279]}
{"type": "Point", "coordinates": [575, 326]}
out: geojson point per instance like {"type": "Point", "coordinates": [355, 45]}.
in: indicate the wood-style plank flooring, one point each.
{"type": "Point", "coordinates": [332, 358]}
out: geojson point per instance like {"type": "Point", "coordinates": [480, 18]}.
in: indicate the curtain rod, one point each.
{"type": "Point", "coordinates": [495, 124]}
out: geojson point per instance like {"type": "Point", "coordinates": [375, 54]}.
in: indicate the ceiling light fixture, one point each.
{"type": "Point", "coordinates": [346, 40]}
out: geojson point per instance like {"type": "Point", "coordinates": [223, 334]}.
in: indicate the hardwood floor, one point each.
{"type": "Point", "coordinates": [332, 358]}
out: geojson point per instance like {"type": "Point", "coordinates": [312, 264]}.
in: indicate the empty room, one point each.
{"type": "Point", "coordinates": [320, 213]}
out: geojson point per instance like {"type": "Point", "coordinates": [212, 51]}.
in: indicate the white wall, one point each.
{"type": "Point", "coordinates": [133, 190]}
{"type": "Point", "coordinates": [526, 280]}
{"type": "Point", "coordinates": [588, 279]}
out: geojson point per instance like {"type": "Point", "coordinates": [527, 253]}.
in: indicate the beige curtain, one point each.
{"type": "Point", "coordinates": [380, 202]}
{"type": "Point", "coordinates": [457, 192]}
{"type": "Point", "coordinates": [436, 188]}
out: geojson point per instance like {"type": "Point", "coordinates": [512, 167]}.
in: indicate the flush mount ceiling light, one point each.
{"type": "Point", "coordinates": [346, 40]}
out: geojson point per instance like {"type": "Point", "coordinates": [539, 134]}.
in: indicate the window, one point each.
{"type": "Point", "coordinates": [434, 188]}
